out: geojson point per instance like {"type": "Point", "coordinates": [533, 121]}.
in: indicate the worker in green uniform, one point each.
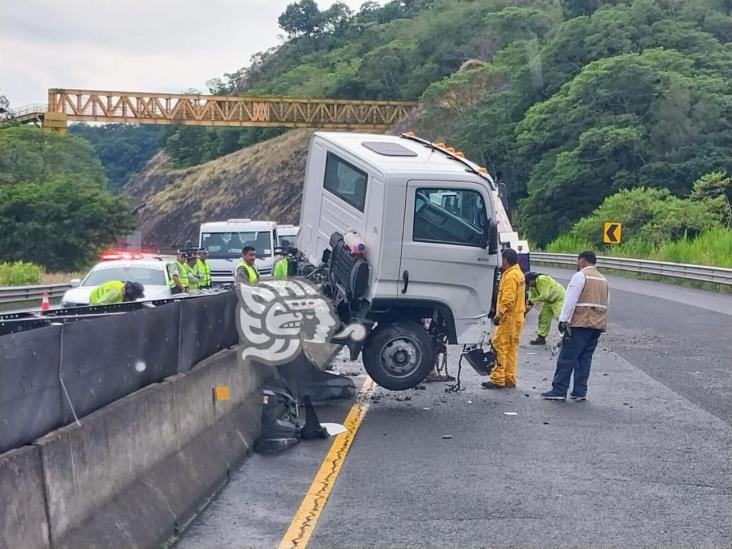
{"type": "Point", "coordinates": [116, 291]}
{"type": "Point", "coordinates": [203, 269]}
{"type": "Point", "coordinates": [281, 265]}
{"type": "Point", "coordinates": [177, 273]}
{"type": "Point", "coordinates": [546, 291]}
{"type": "Point", "coordinates": [193, 278]}
{"type": "Point", "coordinates": [246, 270]}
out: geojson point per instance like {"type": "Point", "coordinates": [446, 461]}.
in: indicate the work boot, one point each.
{"type": "Point", "coordinates": [552, 395]}
{"type": "Point", "coordinates": [491, 385]}
{"type": "Point", "coordinates": [509, 385]}
{"type": "Point", "coordinates": [540, 340]}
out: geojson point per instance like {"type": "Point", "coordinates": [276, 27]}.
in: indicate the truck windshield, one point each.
{"type": "Point", "coordinates": [229, 245]}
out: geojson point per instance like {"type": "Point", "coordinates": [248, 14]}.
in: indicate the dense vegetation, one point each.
{"type": "Point", "coordinates": [19, 273]}
{"type": "Point", "coordinates": [123, 149]}
{"type": "Point", "coordinates": [637, 94]}
{"type": "Point", "coordinates": [55, 208]}
{"type": "Point", "coordinates": [192, 145]}
{"type": "Point", "coordinates": [659, 225]}
{"type": "Point", "coordinates": [568, 102]}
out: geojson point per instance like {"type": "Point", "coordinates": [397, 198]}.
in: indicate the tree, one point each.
{"type": "Point", "coordinates": [649, 217]}
{"type": "Point", "coordinates": [123, 149]}
{"type": "Point", "coordinates": [715, 191]}
{"type": "Point", "coordinates": [336, 18]}
{"type": "Point", "coordinates": [575, 8]}
{"type": "Point", "coordinates": [4, 108]}
{"type": "Point", "coordinates": [54, 205]}
{"type": "Point", "coordinates": [301, 17]}
{"type": "Point", "coordinates": [609, 129]}
{"type": "Point", "coordinates": [382, 70]}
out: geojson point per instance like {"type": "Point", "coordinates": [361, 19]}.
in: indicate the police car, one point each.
{"type": "Point", "coordinates": [150, 271]}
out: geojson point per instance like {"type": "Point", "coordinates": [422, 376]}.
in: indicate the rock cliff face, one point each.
{"type": "Point", "coordinates": [263, 181]}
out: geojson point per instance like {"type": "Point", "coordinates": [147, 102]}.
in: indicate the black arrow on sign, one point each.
{"type": "Point", "coordinates": [610, 233]}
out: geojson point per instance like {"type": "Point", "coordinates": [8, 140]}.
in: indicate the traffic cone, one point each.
{"type": "Point", "coordinates": [44, 302]}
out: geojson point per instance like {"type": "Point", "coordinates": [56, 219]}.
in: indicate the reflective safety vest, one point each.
{"type": "Point", "coordinates": [203, 270]}
{"type": "Point", "coordinates": [172, 269]}
{"type": "Point", "coordinates": [109, 292]}
{"type": "Point", "coordinates": [252, 273]}
{"type": "Point", "coordinates": [193, 281]}
{"type": "Point", "coordinates": [591, 308]}
{"type": "Point", "coordinates": [280, 268]}
{"type": "Point", "coordinates": [182, 274]}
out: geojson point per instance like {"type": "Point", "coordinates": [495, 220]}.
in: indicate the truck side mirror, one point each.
{"type": "Point", "coordinates": [492, 237]}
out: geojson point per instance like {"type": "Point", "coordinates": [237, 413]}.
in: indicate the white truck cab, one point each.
{"type": "Point", "coordinates": [428, 219]}
{"type": "Point", "coordinates": [224, 241]}
{"type": "Point", "coordinates": [287, 235]}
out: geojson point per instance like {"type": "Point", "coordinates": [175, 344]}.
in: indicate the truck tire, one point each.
{"type": "Point", "coordinates": [398, 356]}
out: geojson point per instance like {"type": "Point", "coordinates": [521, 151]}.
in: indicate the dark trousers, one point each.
{"type": "Point", "coordinates": [575, 356]}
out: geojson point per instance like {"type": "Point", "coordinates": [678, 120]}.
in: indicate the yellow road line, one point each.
{"type": "Point", "coordinates": [303, 523]}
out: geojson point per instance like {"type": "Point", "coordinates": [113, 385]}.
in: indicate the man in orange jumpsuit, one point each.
{"type": "Point", "coordinates": [509, 320]}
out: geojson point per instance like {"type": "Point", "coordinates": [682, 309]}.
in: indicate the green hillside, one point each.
{"type": "Point", "coordinates": [55, 208]}
{"type": "Point", "coordinates": [567, 102]}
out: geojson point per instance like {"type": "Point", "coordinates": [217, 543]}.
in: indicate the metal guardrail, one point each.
{"type": "Point", "coordinates": [19, 294]}
{"type": "Point", "coordinates": [701, 273]}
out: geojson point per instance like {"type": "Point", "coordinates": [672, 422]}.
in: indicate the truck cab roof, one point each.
{"type": "Point", "coordinates": [238, 225]}
{"type": "Point", "coordinates": [394, 154]}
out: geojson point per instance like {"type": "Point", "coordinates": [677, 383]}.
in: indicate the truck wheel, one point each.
{"type": "Point", "coordinates": [398, 356]}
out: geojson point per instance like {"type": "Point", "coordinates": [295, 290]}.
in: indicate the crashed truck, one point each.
{"type": "Point", "coordinates": [404, 235]}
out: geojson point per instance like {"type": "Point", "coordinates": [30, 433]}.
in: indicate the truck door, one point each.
{"type": "Point", "coordinates": [443, 255]}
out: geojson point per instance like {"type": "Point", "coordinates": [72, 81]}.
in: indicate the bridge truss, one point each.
{"type": "Point", "coordinates": [217, 110]}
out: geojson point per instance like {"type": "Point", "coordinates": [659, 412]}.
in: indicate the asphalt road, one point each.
{"type": "Point", "coordinates": [644, 463]}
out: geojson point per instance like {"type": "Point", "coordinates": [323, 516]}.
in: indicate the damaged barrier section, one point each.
{"type": "Point", "coordinates": [54, 374]}
{"type": "Point", "coordinates": [115, 429]}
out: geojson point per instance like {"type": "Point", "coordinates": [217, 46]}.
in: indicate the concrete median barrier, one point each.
{"type": "Point", "coordinates": [133, 472]}
{"type": "Point", "coordinates": [23, 519]}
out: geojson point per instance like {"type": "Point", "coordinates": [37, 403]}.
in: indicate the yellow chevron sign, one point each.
{"type": "Point", "coordinates": [611, 232]}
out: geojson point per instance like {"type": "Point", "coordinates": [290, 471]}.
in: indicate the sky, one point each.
{"type": "Point", "coordinates": [130, 45]}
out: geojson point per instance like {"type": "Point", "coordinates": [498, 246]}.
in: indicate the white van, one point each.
{"type": "Point", "coordinates": [224, 241]}
{"type": "Point", "coordinates": [429, 222]}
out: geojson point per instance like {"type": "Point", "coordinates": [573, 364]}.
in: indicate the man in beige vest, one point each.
{"type": "Point", "coordinates": [582, 320]}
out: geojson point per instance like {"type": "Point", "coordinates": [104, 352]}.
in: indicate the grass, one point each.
{"type": "Point", "coordinates": [19, 273]}
{"type": "Point", "coordinates": [59, 278]}
{"type": "Point", "coordinates": [713, 247]}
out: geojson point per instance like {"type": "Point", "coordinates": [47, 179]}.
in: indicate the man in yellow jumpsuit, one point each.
{"type": "Point", "coordinates": [509, 320]}
{"type": "Point", "coordinates": [547, 292]}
